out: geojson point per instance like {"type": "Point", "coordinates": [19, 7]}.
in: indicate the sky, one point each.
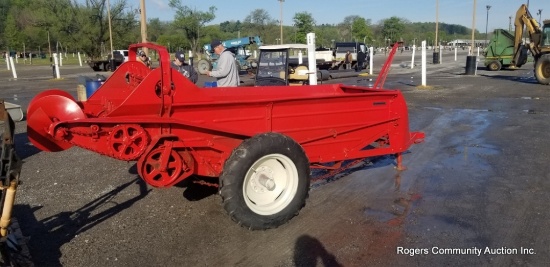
{"type": "Point", "coordinates": [333, 11]}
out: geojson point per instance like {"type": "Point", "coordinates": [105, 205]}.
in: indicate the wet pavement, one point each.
{"type": "Point", "coordinates": [474, 193]}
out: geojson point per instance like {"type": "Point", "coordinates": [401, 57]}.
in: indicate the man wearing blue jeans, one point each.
{"type": "Point", "coordinates": [226, 70]}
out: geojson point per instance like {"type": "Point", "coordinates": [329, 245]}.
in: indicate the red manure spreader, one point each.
{"type": "Point", "coordinates": [257, 144]}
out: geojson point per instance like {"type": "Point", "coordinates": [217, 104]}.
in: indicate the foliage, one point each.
{"type": "Point", "coordinates": [304, 24]}
{"type": "Point", "coordinates": [260, 23]}
{"type": "Point", "coordinates": [191, 21]}
{"type": "Point", "coordinates": [82, 25]}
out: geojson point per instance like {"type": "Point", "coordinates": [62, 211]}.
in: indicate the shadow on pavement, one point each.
{"type": "Point", "coordinates": [308, 250]}
{"type": "Point", "coordinates": [23, 146]}
{"type": "Point", "coordinates": [48, 235]}
{"type": "Point", "coordinates": [524, 80]}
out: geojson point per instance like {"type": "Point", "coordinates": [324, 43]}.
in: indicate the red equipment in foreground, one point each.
{"type": "Point", "coordinates": [259, 141]}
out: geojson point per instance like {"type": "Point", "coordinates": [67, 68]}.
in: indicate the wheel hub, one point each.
{"type": "Point", "coordinates": [263, 180]}
{"type": "Point", "coordinates": [162, 167]}
{"type": "Point", "coordinates": [270, 184]}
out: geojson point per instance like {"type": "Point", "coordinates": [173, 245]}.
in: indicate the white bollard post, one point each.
{"type": "Point", "coordinates": [7, 61]}
{"type": "Point", "coordinates": [190, 58]}
{"type": "Point", "coordinates": [79, 59]}
{"type": "Point", "coordinates": [423, 63]}
{"type": "Point", "coordinates": [13, 68]}
{"type": "Point", "coordinates": [412, 59]}
{"type": "Point", "coordinates": [371, 59]}
{"type": "Point", "coordinates": [61, 59]}
{"type": "Point", "coordinates": [16, 61]}
{"type": "Point", "coordinates": [300, 57]}
{"type": "Point", "coordinates": [440, 55]}
{"type": "Point", "coordinates": [456, 51]}
{"type": "Point", "coordinates": [312, 61]}
{"type": "Point", "coordinates": [478, 51]}
{"type": "Point", "coordinates": [56, 64]}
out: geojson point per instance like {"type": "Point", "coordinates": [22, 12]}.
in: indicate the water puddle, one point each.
{"type": "Point", "coordinates": [396, 214]}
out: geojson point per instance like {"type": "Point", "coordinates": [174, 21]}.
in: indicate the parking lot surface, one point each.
{"type": "Point", "coordinates": [474, 193]}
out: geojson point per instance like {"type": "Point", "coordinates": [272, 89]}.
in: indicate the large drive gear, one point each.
{"type": "Point", "coordinates": [128, 141]}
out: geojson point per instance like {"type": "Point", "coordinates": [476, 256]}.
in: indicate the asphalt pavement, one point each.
{"type": "Point", "coordinates": [474, 193]}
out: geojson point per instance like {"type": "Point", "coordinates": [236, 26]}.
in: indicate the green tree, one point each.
{"type": "Point", "coordinates": [361, 30]}
{"type": "Point", "coordinates": [260, 23]}
{"type": "Point", "coordinates": [304, 24]}
{"type": "Point", "coordinates": [191, 21]}
{"type": "Point", "coordinates": [231, 26]}
{"type": "Point", "coordinates": [12, 35]}
{"type": "Point", "coordinates": [81, 27]}
{"type": "Point", "coordinates": [393, 28]}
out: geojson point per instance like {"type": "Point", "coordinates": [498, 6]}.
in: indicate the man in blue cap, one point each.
{"type": "Point", "coordinates": [226, 70]}
{"type": "Point", "coordinates": [184, 68]}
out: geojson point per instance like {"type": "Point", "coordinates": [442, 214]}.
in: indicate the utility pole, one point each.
{"type": "Point", "coordinates": [281, 20]}
{"type": "Point", "coordinates": [143, 24]}
{"type": "Point", "coordinates": [486, 24]}
{"type": "Point", "coordinates": [471, 60]}
{"type": "Point", "coordinates": [436, 44]}
{"type": "Point", "coordinates": [49, 45]}
{"type": "Point", "coordinates": [540, 16]}
{"type": "Point", "coordinates": [436, 22]}
{"type": "Point", "coordinates": [110, 35]}
{"type": "Point", "coordinates": [473, 27]}
{"type": "Point", "coordinates": [510, 24]}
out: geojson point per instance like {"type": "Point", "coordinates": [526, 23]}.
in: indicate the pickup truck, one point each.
{"type": "Point", "coordinates": [120, 56]}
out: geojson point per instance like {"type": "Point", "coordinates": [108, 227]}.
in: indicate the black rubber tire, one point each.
{"type": "Point", "coordinates": [494, 65]}
{"type": "Point", "coordinates": [236, 168]}
{"type": "Point", "coordinates": [542, 69]}
{"type": "Point", "coordinates": [522, 56]}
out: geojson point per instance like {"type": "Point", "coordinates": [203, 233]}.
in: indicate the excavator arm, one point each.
{"type": "Point", "coordinates": [525, 22]}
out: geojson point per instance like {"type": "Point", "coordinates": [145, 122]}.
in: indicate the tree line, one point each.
{"type": "Point", "coordinates": [71, 25]}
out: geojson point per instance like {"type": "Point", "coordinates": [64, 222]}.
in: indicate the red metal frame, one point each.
{"type": "Point", "coordinates": [379, 83]}
{"type": "Point", "coordinates": [332, 122]}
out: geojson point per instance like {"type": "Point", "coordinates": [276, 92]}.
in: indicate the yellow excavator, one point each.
{"type": "Point", "coordinates": [538, 45]}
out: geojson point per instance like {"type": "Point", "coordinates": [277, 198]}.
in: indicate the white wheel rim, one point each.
{"type": "Point", "coordinates": [270, 184]}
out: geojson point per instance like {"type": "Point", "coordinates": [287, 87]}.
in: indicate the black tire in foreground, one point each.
{"type": "Point", "coordinates": [542, 69]}
{"type": "Point", "coordinates": [265, 181]}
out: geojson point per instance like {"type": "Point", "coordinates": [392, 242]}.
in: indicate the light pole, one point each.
{"type": "Point", "coordinates": [486, 24]}
{"type": "Point", "coordinates": [510, 25]}
{"type": "Point", "coordinates": [281, 20]}
{"type": "Point", "coordinates": [540, 16]}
